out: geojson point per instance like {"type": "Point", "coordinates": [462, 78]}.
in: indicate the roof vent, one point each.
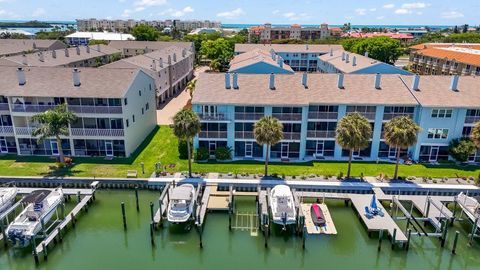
{"type": "Point", "coordinates": [34, 45]}
{"type": "Point", "coordinates": [366, 54]}
{"type": "Point", "coordinates": [154, 64]}
{"type": "Point", "coordinates": [67, 53]}
{"type": "Point", "coordinates": [227, 81]}
{"type": "Point", "coordinates": [160, 61]}
{"type": "Point", "coordinates": [99, 48]}
{"type": "Point", "coordinates": [169, 60]}
{"type": "Point", "coordinates": [235, 80]}
{"type": "Point", "coordinates": [305, 80]}
{"type": "Point", "coordinates": [343, 56]}
{"type": "Point", "coordinates": [184, 52]}
{"type": "Point", "coordinates": [54, 54]}
{"type": "Point", "coordinates": [24, 60]}
{"type": "Point", "coordinates": [415, 82]}
{"type": "Point", "coordinates": [331, 51]}
{"type": "Point", "coordinates": [347, 58]}
{"type": "Point", "coordinates": [378, 79]}
{"type": "Point", "coordinates": [354, 60]}
{"type": "Point", "coordinates": [21, 76]}
{"type": "Point", "coordinates": [272, 81]}
{"type": "Point", "coordinates": [174, 57]}
{"type": "Point", "coordinates": [454, 84]}
{"type": "Point", "coordinates": [76, 77]}
{"type": "Point", "coordinates": [88, 49]}
{"type": "Point", "coordinates": [41, 57]}
{"type": "Point", "coordinates": [340, 81]}
{"type": "Point", "coordinates": [78, 50]}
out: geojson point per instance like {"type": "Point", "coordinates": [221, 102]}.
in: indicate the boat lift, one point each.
{"type": "Point", "coordinates": [473, 216]}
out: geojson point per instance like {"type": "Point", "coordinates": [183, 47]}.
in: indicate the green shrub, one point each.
{"type": "Point", "coordinates": [202, 154]}
{"type": "Point", "coordinates": [461, 149]}
{"type": "Point", "coordinates": [223, 153]}
{"type": "Point", "coordinates": [182, 149]}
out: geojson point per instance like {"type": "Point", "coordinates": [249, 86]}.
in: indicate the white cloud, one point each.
{"type": "Point", "coordinates": [39, 12]}
{"type": "Point", "coordinates": [149, 3]}
{"type": "Point", "coordinates": [276, 11]}
{"type": "Point", "coordinates": [178, 13]}
{"type": "Point", "coordinates": [8, 14]}
{"type": "Point", "coordinates": [231, 14]}
{"type": "Point", "coordinates": [361, 11]}
{"type": "Point", "coordinates": [380, 17]}
{"type": "Point", "coordinates": [138, 9]}
{"type": "Point", "coordinates": [292, 16]}
{"type": "Point", "coordinates": [452, 15]}
{"type": "Point", "coordinates": [415, 5]}
{"type": "Point", "coordinates": [126, 13]}
{"type": "Point", "coordinates": [402, 11]}
{"type": "Point", "coordinates": [373, 9]}
{"type": "Point", "coordinates": [388, 6]}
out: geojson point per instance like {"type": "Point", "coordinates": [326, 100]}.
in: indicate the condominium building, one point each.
{"type": "Point", "coordinates": [10, 47]}
{"type": "Point", "coordinates": [267, 32]}
{"type": "Point", "coordinates": [190, 25]}
{"type": "Point", "coordinates": [310, 105]}
{"type": "Point", "coordinates": [83, 38]}
{"type": "Point", "coordinates": [114, 109]}
{"type": "Point", "coordinates": [126, 25]}
{"type": "Point", "coordinates": [300, 57]}
{"type": "Point", "coordinates": [171, 69]}
{"type": "Point", "coordinates": [259, 61]}
{"type": "Point", "coordinates": [133, 48]}
{"type": "Point", "coordinates": [445, 59]}
{"type": "Point", "coordinates": [80, 56]}
{"type": "Point", "coordinates": [351, 63]}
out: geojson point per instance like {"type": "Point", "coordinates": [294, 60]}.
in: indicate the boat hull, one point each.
{"type": "Point", "coordinates": [8, 198]}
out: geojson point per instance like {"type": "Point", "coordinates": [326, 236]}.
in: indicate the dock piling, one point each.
{"type": "Point", "coordinates": [72, 217]}
{"type": "Point", "coordinates": [394, 237]}
{"type": "Point", "coordinates": [5, 242]}
{"type": "Point", "coordinates": [152, 235]}
{"type": "Point", "coordinates": [409, 235]}
{"type": "Point", "coordinates": [151, 211]}
{"type": "Point", "coordinates": [455, 241]}
{"type": "Point", "coordinates": [444, 232]}
{"type": "Point", "coordinates": [123, 216]}
{"type": "Point", "coordinates": [380, 236]}
{"type": "Point", "coordinates": [45, 253]}
{"type": "Point", "coordinates": [136, 198]}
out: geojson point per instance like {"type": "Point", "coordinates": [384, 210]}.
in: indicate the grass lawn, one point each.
{"type": "Point", "coordinates": [161, 146]}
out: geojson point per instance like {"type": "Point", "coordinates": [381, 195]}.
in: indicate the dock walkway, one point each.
{"type": "Point", "coordinates": [313, 229]}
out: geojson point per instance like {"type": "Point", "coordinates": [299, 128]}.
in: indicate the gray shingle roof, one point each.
{"type": "Point", "coordinates": [16, 46]}
{"type": "Point", "coordinates": [153, 45]}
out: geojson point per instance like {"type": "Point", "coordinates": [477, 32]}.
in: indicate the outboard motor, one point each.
{"type": "Point", "coordinates": [284, 220]}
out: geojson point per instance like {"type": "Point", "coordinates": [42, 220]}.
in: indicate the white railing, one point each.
{"type": "Point", "coordinates": [248, 116]}
{"type": "Point", "coordinates": [291, 136]}
{"type": "Point", "coordinates": [389, 116]}
{"type": "Point", "coordinates": [213, 117]}
{"type": "Point", "coordinates": [94, 132]}
{"type": "Point", "coordinates": [288, 116]}
{"type": "Point", "coordinates": [24, 131]}
{"type": "Point", "coordinates": [244, 135]}
{"type": "Point", "coordinates": [6, 130]}
{"type": "Point", "coordinates": [4, 107]}
{"type": "Point", "coordinates": [30, 108]}
{"type": "Point", "coordinates": [472, 119]}
{"type": "Point", "coordinates": [320, 134]}
{"type": "Point", "coordinates": [95, 109]}
{"type": "Point", "coordinates": [213, 134]}
{"type": "Point", "coordinates": [323, 115]}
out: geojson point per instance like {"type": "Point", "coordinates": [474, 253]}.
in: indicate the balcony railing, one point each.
{"type": "Point", "coordinates": [95, 109]}
{"type": "Point", "coordinates": [244, 135]}
{"type": "Point", "coordinates": [321, 133]}
{"type": "Point", "coordinates": [445, 67]}
{"type": "Point", "coordinates": [368, 115]}
{"type": "Point", "coordinates": [24, 131]}
{"type": "Point", "coordinates": [248, 116]}
{"type": "Point", "coordinates": [323, 115]}
{"type": "Point", "coordinates": [6, 130]}
{"type": "Point", "coordinates": [95, 132]}
{"type": "Point", "coordinates": [291, 135]}
{"type": "Point", "coordinates": [213, 134]}
{"type": "Point", "coordinates": [466, 71]}
{"type": "Point", "coordinates": [213, 117]}
{"type": "Point", "coordinates": [471, 119]}
{"type": "Point", "coordinates": [4, 107]}
{"type": "Point", "coordinates": [288, 116]}
{"type": "Point", "coordinates": [389, 116]}
{"type": "Point", "coordinates": [31, 108]}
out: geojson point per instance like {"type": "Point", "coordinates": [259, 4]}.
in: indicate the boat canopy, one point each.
{"type": "Point", "coordinates": [36, 196]}
{"type": "Point", "coordinates": [183, 192]}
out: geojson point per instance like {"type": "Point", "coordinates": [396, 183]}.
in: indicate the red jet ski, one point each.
{"type": "Point", "coordinates": [317, 215]}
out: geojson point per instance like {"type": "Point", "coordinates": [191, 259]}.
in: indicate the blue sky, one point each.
{"type": "Point", "coordinates": [439, 12]}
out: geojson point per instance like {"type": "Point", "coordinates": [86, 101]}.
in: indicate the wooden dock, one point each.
{"type": "Point", "coordinates": [313, 229]}
{"type": "Point", "coordinates": [202, 206]}
{"type": "Point", "coordinates": [162, 204]}
{"type": "Point", "coordinates": [377, 223]}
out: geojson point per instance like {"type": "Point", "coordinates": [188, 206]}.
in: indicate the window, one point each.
{"type": "Point", "coordinates": [150, 87]}
{"type": "Point", "coordinates": [125, 102]}
{"type": "Point", "coordinates": [441, 113]}
{"type": "Point", "coordinates": [133, 118]}
{"type": "Point", "coordinates": [140, 92]}
{"type": "Point", "coordinates": [147, 106]}
{"type": "Point", "coordinates": [437, 133]}
{"type": "Point", "coordinates": [126, 122]}
{"type": "Point", "coordinates": [143, 111]}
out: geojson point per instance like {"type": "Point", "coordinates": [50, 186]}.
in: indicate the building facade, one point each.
{"type": "Point", "coordinates": [132, 48]}
{"type": "Point", "coordinates": [445, 59]}
{"type": "Point", "coordinates": [114, 109]}
{"type": "Point", "coordinates": [310, 106]}
{"type": "Point", "coordinates": [267, 32]}
{"type": "Point", "coordinates": [126, 25]}
{"type": "Point", "coordinates": [83, 38]}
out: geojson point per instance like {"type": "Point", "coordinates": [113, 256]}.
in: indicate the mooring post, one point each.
{"type": "Point", "coordinates": [428, 207]}
{"type": "Point", "coordinates": [160, 211]}
{"type": "Point", "coordinates": [136, 198]}
{"type": "Point", "coordinates": [123, 216]}
{"type": "Point", "coordinates": [34, 250]}
{"type": "Point", "coordinates": [265, 233]}
{"type": "Point", "coordinates": [455, 241]}
{"type": "Point", "coordinates": [72, 217]}
{"type": "Point", "coordinates": [59, 233]}
{"type": "Point", "coordinates": [151, 211]}
{"type": "Point", "coordinates": [380, 236]}
{"type": "Point", "coordinates": [409, 234]}
{"type": "Point", "coordinates": [45, 252]}
{"type": "Point", "coordinates": [5, 242]}
{"type": "Point", "coordinates": [474, 229]}
{"type": "Point", "coordinates": [444, 232]}
{"type": "Point", "coordinates": [454, 212]}
{"type": "Point", "coordinates": [152, 235]}
{"type": "Point", "coordinates": [394, 237]}
{"type": "Point", "coordinates": [304, 236]}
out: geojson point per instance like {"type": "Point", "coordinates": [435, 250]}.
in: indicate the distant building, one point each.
{"type": "Point", "coordinates": [132, 48]}
{"type": "Point", "coordinates": [194, 24]}
{"type": "Point", "coordinates": [9, 47]}
{"type": "Point", "coordinates": [351, 63]}
{"type": "Point", "coordinates": [445, 59]}
{"type": "Point", "coordinates": [259, 61]}
{"type": "Point", "coordinates": [266, 33]}
{"type": "Point", "coordinates": [83, 38]}
{"type": "Point", "coordinates": [126, 25]}
{"type": "Point", "coordinates": [204, 31]}
{"type": "Point", "coordinates": [16, 31]}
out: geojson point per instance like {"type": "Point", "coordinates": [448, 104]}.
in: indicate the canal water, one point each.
{"type": "Point", "coordinates": [99, 242]}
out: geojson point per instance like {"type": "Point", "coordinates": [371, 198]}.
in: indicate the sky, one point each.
{"type": "Point", "coordinates": [393, 12]}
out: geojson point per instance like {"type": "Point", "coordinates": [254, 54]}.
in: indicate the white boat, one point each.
{"type": "Point", "coordinates": [41, 206]}
{"type": "Point", "coordinates": [7, 197]}
{"type": "Point", "coordinates": [180, 206]}
{"type": "Point", "coordinates": [282, 205]}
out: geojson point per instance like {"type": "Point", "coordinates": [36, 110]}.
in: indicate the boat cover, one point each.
{"type": "Point", "coordinates": [183, 192]}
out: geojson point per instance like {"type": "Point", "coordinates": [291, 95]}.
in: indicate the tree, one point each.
{"type": "Point", "coordinates": [143, 32]}
{"type": "Point", "coordinates": [268, 131]}
{"type": "Point", "coordinates": [215, 65]}
{"type": "Point", "coordinates": [455, 29]}
{"type": "Point", "coordinates": [383, 49]}
{"type": "Point", "coordinates": [186, 125]}
{"type": "Point", "coordinates": [54, 123]}
{"type": "Point", "coordinates": [353, 133]}
{"type": "Point", "coordinates": [465, 28]}
{"type": "Point", "coordinates": [191, 87]}
{"type": "Point", "coordinates": [461, 149]}
{"type": "Point", "coordinates": [219, 49]}
{"type": "Point", "coordinates": [400, 132]}
{"type": "Point", "coordinates": [475, 135]}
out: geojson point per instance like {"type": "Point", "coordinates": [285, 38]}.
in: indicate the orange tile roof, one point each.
{"type": "Point", "coordinates": [443, 45]}
{"type": "Point", "coordinates": [458, 56]}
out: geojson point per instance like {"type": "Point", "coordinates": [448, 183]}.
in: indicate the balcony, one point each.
{"type": "Point", "coordinates": [213, 134]}
{"type": "Point", "coordinates": [288, 116]}
{"type": "Point", "coordinates": [244, 135]}
{"type": "Point", "coordinates": [466, 71]}
{"type": "Point", "coordinates": [29, 108]}
{"type": "Point", "coordinates": [389, 116]}
{"type": "Point", "coordinates": [95, 132]}
{"type": "Point", "coordinates": [416, 59]}
{"type": "Point", "coordinates": [95, 109]}
{"type": "Point", "coordinates": [321, 134]}
{"type": "Point", "coordinates": [291, 135]}
{"type": "Point", "coordinates": [6, 131]}
{"type": "Point", "coordinates": [445, 67]}
{"type": "Point", "coordinates": [213, 117]}
{"type": "Point", "coordinates": [323, 115]}
{"type": "Point", "coordinates": [248, 116]}
{"type": "Point", "coordinates": [4, 107]}
{"type": "Point", "coordinates": [368, 115]}
{"type": "Point", "coordinates": [24, 131]}
{"type": "Point", "coordinates": [471, 119]}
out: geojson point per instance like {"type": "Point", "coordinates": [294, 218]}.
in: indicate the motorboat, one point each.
{"type": "Point", "coordinates": [317, 215]}
{"type": "Point", "coordinates": [282, 205]}
{"type": "Point", "coordinates": [181, 204]}
{"type": "Point", "coordinates": [7, 197]}
{"type": "Point", "coordinates": [41, 205]}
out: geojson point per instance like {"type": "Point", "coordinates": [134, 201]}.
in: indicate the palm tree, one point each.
{"type": "Point", "coordinates": [353, 133]}
{"type": "Point", "coordinates": [475, 135]}
{"type": "Point", "coordinates": [186, 125]}
{"type": "Point", "coordinates": [268, 131]}
{"type": "Point", "coordinates": [215, 65]}
{"type": "Point", "coordinates": [400, 132]}
{"type": "Point", "coordinates": [54, 123]}
{"type": "Point", "coordinates": [191, 87]}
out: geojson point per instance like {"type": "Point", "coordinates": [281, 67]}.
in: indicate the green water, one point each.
{"type": "Point", "coordinates": [99, 242]}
